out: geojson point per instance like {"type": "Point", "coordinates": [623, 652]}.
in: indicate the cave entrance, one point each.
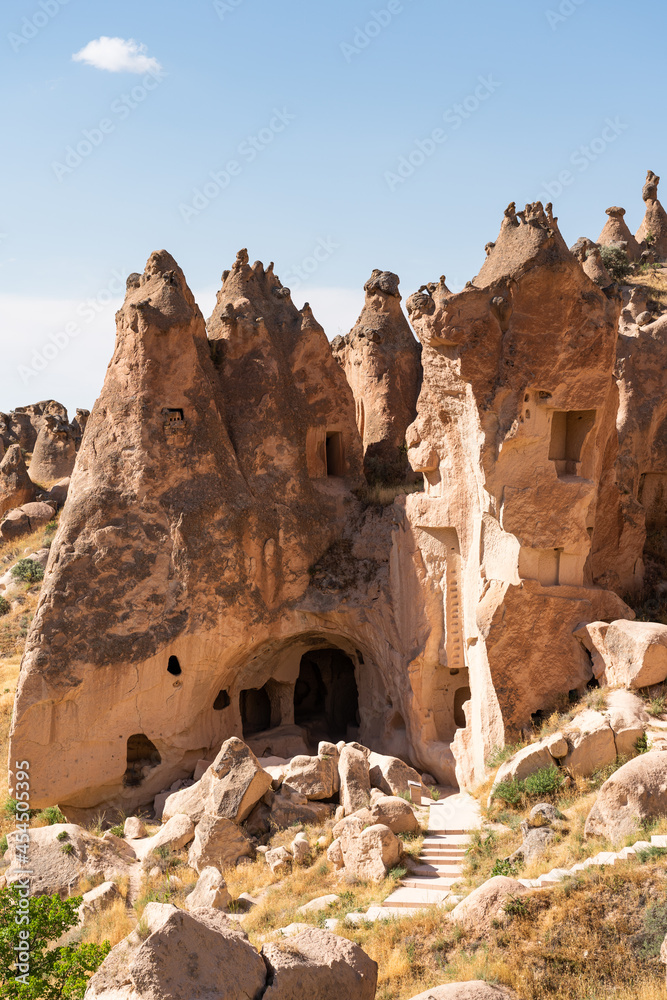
{"type": "Point", "coordinates": [326, 699]}
{"type": "Point", "coordinates": [142, 757]}
{"type": "Point", "coordinates": [255, 706]}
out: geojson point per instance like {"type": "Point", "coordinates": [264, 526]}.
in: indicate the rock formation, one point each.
{"type": "Point", "coordinates": [55, 450]}
{"type": "Point", "coordinates": [16, 487]}
{"type": "Point", "coordinates": [616, 233]}
{"type": "Point", "coordinates": [653, 231]}
{"type": "Point", "coordinates": [217, 572]}
{"type": "Point", "coordinates": [380, 357]}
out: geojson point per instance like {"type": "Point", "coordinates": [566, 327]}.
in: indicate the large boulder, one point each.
{"type": "Point", "coordinates": [634, 793]}
{"type": "Point", "coordinates": [54, 454]}
{"type": "Point", "coordinates": [313, 964]}
{"type": "Point", "coordinates": [314, 777]}
{"type": "Point", "coordinates": [60, 855]}
{"type": "Point", "coordinates": [591, 743]}
{"type": "Point", "coordinates": [391, 775]}
{"type": "Point", "coordinates": [476, 989]}
{"type": "Point", "coordinates": [628, 719]}
{"type": "Point", "coordinates": [394, 812]}
{"type": "Point", "coordinates": [478, 911]}
{"type": "Point", "coordinates": [173, 836]}
{"type": "Point", "coordinates": [290, 808]}
{"type": "Point", "coordinates": [24, 520]}
{"type": "Point", "coordinates": [210, 892]}
{"type": "Point", "coordinates": [626, 654]}
{"type": "Point", "coordinates": [524, 762]}
{"type": "Point", "coordinates": [16, 487]}
{"type": "Point", "coordinates": [173, 955]}
{"type": "Point", "coordinates": [218, 843]}
{"type": "Point", "coordinates": [369, 852]}
{"type": "Point", "coordinates": [355, 784]}
{"type": "Point", "coordinates": [231, 786]}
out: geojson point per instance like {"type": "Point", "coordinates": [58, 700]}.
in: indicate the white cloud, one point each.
{"type": "Point", "coordinates": [117, 55]}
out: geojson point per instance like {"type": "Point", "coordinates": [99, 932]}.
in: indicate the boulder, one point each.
{"type": "Point", "coordinates": [535, 842]}
{"type": "Point", "coordinates": [134, 829]}
{"type": "Point", "coordinates": [279, 860]}
{"type": "Point", "coordinates": [210, 892]}
{"type": "Point", "coordinates": [633, 794]}
{"type": "Point", "coordinates": [230, 787]}
{"type": "Point", "coordinates": [391, 775]}
{"type": "Point", "coordinates": [173, 836]}
{"type": "Point", "coordinates": [355, 785]}
{"type": "Point", "coordinates": [314, 963]}
{"type": "Point", "coordinates": [98, 899]}
{"type": "Point", "coordinates": [395, 813]}
{"type": "Point", "coordinates": [62, 854]}
{"type": "Point", "coordinates": [24, 520]}
{"type": "Point", "coordinates": [357, 820]}
{"type": "Point", "coordinates": [543, 814]}
{"type": "Point", "coordinates": [627, 654]}
{"type": "Point", "coordinates": [174, 954]}
{"type": "Point", "coordinates": [483, 906]}
{"type": "Point", "coordinates": [286, 811]}
{"type": "Point", "coordinates": [16, 487]}
{"type": "Point", "coordinates": [369, 852]}
{"type": "Point", "coordinates": [526, 761]}
{"type": "Point", "coordinates": [476, 989]}
{"type": "Point", "coordinates": [314, 777]}
{"type": "Point", "coordinates": [300, 849]}
{"type": "Point", "coordinates": [335, 854]}
{"type": "Point", "coordinates": [628, 719]}
{"type": "Point", "coordinates": [591, 743]}
{"type": "Point", "coordinates": [54, 454]}
{"type": "Point", "coordinates": [556, 745]}
{"type": "Point", "coordinates": [218, 843]}
{"type": "Point", "coordinates": [318, 904]}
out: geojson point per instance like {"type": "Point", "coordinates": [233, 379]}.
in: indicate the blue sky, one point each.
{"type": "Point", "coordinates": [316, 104]}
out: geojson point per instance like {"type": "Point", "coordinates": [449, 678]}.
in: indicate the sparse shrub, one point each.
{"type": "Point", "coordinates": [56, 973]}
{"type": "Point", "coordinates": [642, 744]}
{"type": "Point", "coordinates": [27, 571]}
{"type": "Point", "coordinates": [397, 873]}
{"type": "Point", "coordinates": [117, 830]}
{"type": "Point", "coordinates": [655, 929]}
{"type": "Point", "coordinates": [515, 906]}
{"type": "Point", "coordinates": [543, 783]}
{"type": "Point", "coordinates": [5, 606]}
{"type": "Point", "coordinates": [510, 791]}
{"type": "Point", "coordinates": [3, 843]}
{"type": "Point", "coordinates": [52, 815]}
{"type": "Point", "coordinates": [616, 261]}
{"type": "Point", "coordinates": [498, 754]}
{"type": "Point", "coordinates": [435, 794]}
{"type": "Point", "coordinates": [67, 848]}
{"type": "Point", "coordinates": [63, 835]}
{"type": "Point", "coordinates": [651, 853]}
{"type": "Point", "coordinates": [656, 706]}
{"type": "Point", "coordinates": [503, 866]}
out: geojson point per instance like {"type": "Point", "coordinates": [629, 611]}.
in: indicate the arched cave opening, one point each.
{"type": "Point", "coordinates": [461, 696]}
{"type": "Point", "coordinates": [142, 757]}
{"type": "Point", "coordinates": [326, 699]}
{"type": "Point", "coordinates": [255, 706]}
{"type": "Point", "coordinates": [222, 701]}
{"type": "Point", "coordinates": [173, 666]}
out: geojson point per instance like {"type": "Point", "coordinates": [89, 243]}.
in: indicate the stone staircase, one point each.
{"type": "Point", "coordinates": [603, 858]}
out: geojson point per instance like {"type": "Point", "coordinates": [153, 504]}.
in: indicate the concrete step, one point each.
{"type": "Point", "coordinates": [415, 898]}
{"type": "Point", "coordinates": [433, 871]}
{"type": "Point", "coordinates": [658, 841]}
{"type": "Point", "coordinates": [443, 852]}
{"type": "Point", "coordinates": [429, 882]}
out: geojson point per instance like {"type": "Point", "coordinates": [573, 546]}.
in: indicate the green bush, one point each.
{"type": "Point", "coordinates": [52, 815]}
{"type": "Point", "coordinates": [616, 261]}
{"type": "Point", "coordinates": [515, 906]}
{"type": "Point", "coordinates": [55, 973]}
{"type": "Point", "coordinates": [498, 754]}
{"type": "Point", "coordinates": [642, 744]}
{"type": "Point", "coordinates": [654, 931]}
{"type": "Point", "coordinates": [117, 830]}
{"type": "Point", "coordinates": [3, 844]}
{"type": "Point", "coordinates": [27, 571]}
{"type": "Point", "coordinates": [510, 791]}
{"type": "Point", "coordinates": [63, 835]}
{"type": "Point", "coordinates": [503, 866]}
{"type": "Point", "coordinates": [544, 782]}
{"type": "Point", "coordinates": [5, 606]}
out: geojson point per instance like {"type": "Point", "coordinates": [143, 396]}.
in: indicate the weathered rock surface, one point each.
{"type": "Point", "coordinates": [25, 519]}
{"type": "Point", "coordinates": [654, 223]}
{"type": "Point", "coordinates": [625, 653]}
{"type": "Point", "coordinates": [483, 906]}
{"type": "Point", "coordinates": [176, 834]}
{"type": "Point", "coordinates": [591, 743]}
{"type": "Point", "coordinates": [218, 843]}
{"type": "Point", "coordinates": [616, 233]}
{"type": "Point", "coordinates": [314, 777]}
{"type": "Point", "coordinates": [16, 486]}
{"type": "Point", "coordinates": [381, 360]}
{"type": "Point", "coordinates": [391, 775]}
{"type": "Point", "coordinates": [198, 954]}
{"type": "Point", "coordinates": [55, 451]}
{"type": "Point", "coordinates": [314, 963]}
{"type": "Point", "coordinates": [133, 828]}
{"type": "Point", "coordinates": [634, 793]}
{"type": "Point", "coordinates": [368, 853]}
{"type": "Point", "coordinates": [60, 855]}
{"type": "Point", "coordinates": [476, 989]}
{"type": "Point", "coordinates": [210, 892]}
{"type": "Point", "coordinates": [355, 785]}
{"type": "Point", "coordinates": [395, 813]}
{"type": "Point", "coordinates": [229, 788]}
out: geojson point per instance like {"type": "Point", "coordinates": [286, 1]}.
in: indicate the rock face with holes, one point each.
{"type": "Point", "coordinates": [381, 360]}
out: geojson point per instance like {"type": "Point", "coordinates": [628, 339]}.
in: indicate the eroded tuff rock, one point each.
{"type": "Point", "coordinates": [653, 230]}
{"type": "Point", "coordinates": [16, 486]}
{"type": "Point", "coordinates": [55, 450]}
{"type": "Point", "coordinates": [616, 233]}
{"type": "Point", "coordinates": [381, 360]}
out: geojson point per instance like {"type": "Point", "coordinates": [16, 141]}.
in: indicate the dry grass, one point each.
{"type": "Point", "coordinates": [654, 281]}
{"type": "Point", "coordinates": [110, 925]}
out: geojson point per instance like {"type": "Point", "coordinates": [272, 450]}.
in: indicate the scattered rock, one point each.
{"type": "Point", "coordinates": [279, 860]}
{"type": "Point", "coordinates": [318, 904]}
{"type": "Point", "coordinates": [314, 963]}
{"type": "Point", "coordinates": [391, 775]}
{"type": "Point", "coordinates": [98, 899]}
{"type": "Point", "coordinates": [173, 836]}
{"type": "Point", "coordinates": [355, 785]}
{"type": "Point", "coordinates": [476, 989]}
{"type": "Point", "coordinates": [314, 777]}
{"type": "Point", "coordinates": [628, 654]}
{"type": "Point", "coordinates": [210, 892]}
{"type": "Point", "coordinates": [16, 487]}
{"type": "Point", "coordinates": [300, 849]}
{"type": "Point", "coordinates": [368, 853]}
{"type": "Point", "coordinates": [218, 843]}
{"type": "Point", "coordinates": [24, 520]}
{"type": "Point", "coordinates": [134, 829]}
{"type": "Point", "coordinates": [633, 794]}
{"type": "Point", "coordinates": [591, 743]}
{"type": "Point", "coordinates": [483, 906]}
{"type": "Point", "coordinates": [395, 813]}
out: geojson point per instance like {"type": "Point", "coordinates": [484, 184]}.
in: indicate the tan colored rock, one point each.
{"type": "Point", "coordinates": [16, 486]}
{"type": "Point", "coordinates": [198, 954]}
{"type": "Point", "coordinates": [100, 898]}
{"type": "Point", "coordinates": [335, 855]}
{"type": "Point", "coordinates": [133, 828]}
{"type": "Point", "coordinates": [314, 777]}
{"type": "Point", "coordinates": [369, 852]}
{"type": "Point", "coordinates": [24, 520]}
{"type": "Point", "coordinates": [279, 860]}
{"type": "Point", "coordinates": [626, 653]}
{"type": "Point", "coordinates": [355, 785]}
{"type": "Point", "coordinates": [231, 786]}
{"type": "Point", "coordinates": [210, 892]}
{"type": "Point", "coordinates": [391, 775]}
{"type": "Point", "coordinates": [381, 360]}
{"type": "Point", "coordinates": [663, 951]}
{"type": "Point", "coordinates": [591, 743]}
{"type": "Point", "coordinates": [176, 834]}
{"type": "Point", "coordinates": [300, 849]}
{"type": "Point", "coordinates": [557, 745]}
{"type": "Point", "coordinates": [59, 856]}
{"type": "Point", "coordinates": [633, 794]}
{"type": "Point", "coordinates": [55, 451]}
{"type": "Point", "coordinates": [524, 762]}
{"type": "Point", "coordinates": [476, 989]}
{"type": "Point", "coordinates": [616, 233]}
{"type": "Point", "coordinates": [25, 422]}
{"type": "Point", "coordinates": [654, 223]}
{"type": "Point", "coordinates": [285, 811]}
{"type": "Point", "coordinates": [395, 813]}
{"type": "Point", "coordinates": [314, 963]}
{"type": "Point", "coordinates": [588, 255]}
{"type": "Point", "coordinates": [318, 904]}
{"type": "Point", "coordinates": [218, 843]}
{"type": "Point", "coordinates": [478, 911]}
{"type": "Point", "coordinates": [628, 719]}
